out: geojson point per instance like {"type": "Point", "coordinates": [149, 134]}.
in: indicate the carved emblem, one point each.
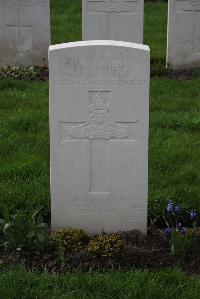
{"type": "Point", "coordinates": [101, 125]}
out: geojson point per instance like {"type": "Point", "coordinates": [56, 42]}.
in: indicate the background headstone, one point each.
{"type": "Point", "coordinates": [183, 34]}
{"type": "Point", "coordinates": [24, 32]}
{"type": "Point", "coordinates": [99, 112]}
{"type": "Point", "coordinates": [120, 20]}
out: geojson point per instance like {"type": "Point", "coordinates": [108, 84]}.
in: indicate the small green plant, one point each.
{"type": "Point", "coordinates": [18, 72]}
{"type": "Point", "coordinates": [180, 244]}
{"type": "Point", "coordinates": [23, 231]}
{"type": "Point", "coordinates": [180, 238]}
{"type": "Point", "coordinates": [107, 246]}
{"type": "Point", "coordinates": [62, 257]}
{"type": "Point", "coordinates": [71, 239]}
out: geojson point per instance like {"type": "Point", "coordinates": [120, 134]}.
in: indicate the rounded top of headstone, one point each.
{"type": "Point", "coordinates": [99, 43]}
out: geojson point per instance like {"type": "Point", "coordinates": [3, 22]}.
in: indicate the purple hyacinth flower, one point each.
{"type": "Point", "coordinates": [179, 226]}
{"type": "Point", "coordinates": [183, 230]}
{"type": "Point", "coordinates": [177, 209]}
{"type": "Point", "coordinates": [168, 232]}
{"type": "Point", "coordinates": [193, 215]}
{"type": "Point", "coordinates": [170, 207]}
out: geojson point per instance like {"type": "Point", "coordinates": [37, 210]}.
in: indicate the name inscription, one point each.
{"type": "Point", "coordinates": [126, 205]}
{"type": "Point", "coordinates": [98, 71]}
{"type": "Point", "coordinates": [26, 3]}
{"type": "Point", "coordinates": [115, 6]}
{"type": "Point", "coordinates": [187, 6]}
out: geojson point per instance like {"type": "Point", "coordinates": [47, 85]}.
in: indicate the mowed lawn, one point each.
{"type": "Point", "coordinates": [174, 166]}
{"type": "Point", "coordinates": [20, 284]}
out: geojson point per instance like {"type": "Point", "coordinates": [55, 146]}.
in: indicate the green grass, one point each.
{"type": "Point", "coordinates": [24, 143]}
{"type": "Point", "coordinates": [66, 21]}
{"type": "Point", "coordinates": [174, 166]}
{"type": "Point", "coordinates": [155, 29]}
{"type": "Point", "coordinates": [18, 283]}
{"type": "Point", "coordinates": [66, 24]}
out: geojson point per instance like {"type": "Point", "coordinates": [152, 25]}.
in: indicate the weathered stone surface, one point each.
{"type": "Point", "coordinates": [99, 112]}
{"type": "Point", "coordinates": [120, 20]}
{"type": "Point", "coordinates": [24, 32]}
{"type": "Point", "coordinates": [183, 34]}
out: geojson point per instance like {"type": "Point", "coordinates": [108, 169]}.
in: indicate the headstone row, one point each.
{"type": "Point", "coordinates": [25, 28]}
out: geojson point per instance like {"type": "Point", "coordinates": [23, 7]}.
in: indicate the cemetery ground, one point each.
{"type": "Point", "coordinates": [174, 168]}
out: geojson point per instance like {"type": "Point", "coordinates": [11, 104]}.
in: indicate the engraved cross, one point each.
{"type": "Point", "coordinates": [99, 131]}
{"type": "Point", "coordinates": [18, 25]}
{"type": "Point", "coordinates": [110, 8]}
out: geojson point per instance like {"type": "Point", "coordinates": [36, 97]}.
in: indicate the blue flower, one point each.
{"type": "Point", "coordinates": [177, 209]}
{"type": "Point", "coordinates": [193, 215]}
{"type": "Point", "coordinates": [168, 232]}
{"type": "Point", "coordinates": [183, 230]}
{"type": "Point", "coordinates": [170, 207]}
{"type": "Point", "coordinates": [179, 226]}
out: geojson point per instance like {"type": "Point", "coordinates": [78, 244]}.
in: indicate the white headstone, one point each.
{"type": "Point", "coordinates": [120, 20]}
{"type": "Point", "coordinates": [99, 112]}
{"type": "Point", "coordinates": [24, 32]}
{"type": "Point", "coordinates": [183, 34]}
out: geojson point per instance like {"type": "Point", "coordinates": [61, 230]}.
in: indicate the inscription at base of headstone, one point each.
{"type": "Point", "coordinates": [120, 20]}
{"type": "Point", "coordinates": [24, 32]}
{"type": "Point", "coordinates": [99, 112]}
{"type": "Point", "coordinates": [183, 34]}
